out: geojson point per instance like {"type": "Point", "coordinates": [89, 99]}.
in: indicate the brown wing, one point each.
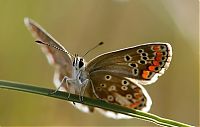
{"type": "Point", "coordinates": [61, 60]}
{"type": "Point", "coordinates": [119, 90]}
{"type": "Point", "coordinates": [143, 63]}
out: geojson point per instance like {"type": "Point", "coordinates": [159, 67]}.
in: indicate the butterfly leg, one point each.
{"type": "Point", "coordinates": [82, 89]}
{"type": "Point", "coordinates": [69, 81]}
{"type": "Point", "coordinates": [61, 83]}
{"type": "Point", "coordinates": [80, 95]}
{"type": "Point", "coordinates": [67, 84]}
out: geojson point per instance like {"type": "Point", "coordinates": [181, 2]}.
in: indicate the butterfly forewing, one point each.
{"type": "Point", "coordinates": [54, 56]}
{"type": "Point", "coordinates": [142, 63]}
{"type": "Point", "coordinates": [61, 60]}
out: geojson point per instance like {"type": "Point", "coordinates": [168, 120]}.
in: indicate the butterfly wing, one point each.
{"type": "Point", "coordinates": [61, 60]}
{"type": "Point", "coordinates": [119, 90]}
{"type": "Point", "coordinates": [118, 76]}
{"type": "Point", "coordinates": [143, 63]}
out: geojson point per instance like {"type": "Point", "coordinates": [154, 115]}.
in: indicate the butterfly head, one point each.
{"type": "Point", "coordinates": [78, 62]}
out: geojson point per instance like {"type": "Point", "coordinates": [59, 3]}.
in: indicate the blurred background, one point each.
{"type": "Point", "coordinates": [81, 24]}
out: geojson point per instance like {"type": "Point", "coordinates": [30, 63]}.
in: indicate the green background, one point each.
{"type": "Point", "coordinates": [81, 24]}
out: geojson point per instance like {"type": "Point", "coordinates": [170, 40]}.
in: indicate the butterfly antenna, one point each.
{"type": "Point", "coordinates": [40, 42]}
{"type": "Point", "coordinates": [100, 43]}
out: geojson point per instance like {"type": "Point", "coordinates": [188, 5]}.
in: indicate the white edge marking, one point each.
{"type": "Point", "coordinates": [149, 101]}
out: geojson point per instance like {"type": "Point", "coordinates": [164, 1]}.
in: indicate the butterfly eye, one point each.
{"type": "Point", "coordinates": [80, 64]}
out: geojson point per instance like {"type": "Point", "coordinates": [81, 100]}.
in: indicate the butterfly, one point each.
{"type": "Point", "coordinates": [116, 77]}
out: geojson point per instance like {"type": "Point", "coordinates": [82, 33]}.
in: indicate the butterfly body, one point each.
{"type": "Point", "coordinates": [79, 77]}
{"type": "Point", "coordinates": [116, 77]}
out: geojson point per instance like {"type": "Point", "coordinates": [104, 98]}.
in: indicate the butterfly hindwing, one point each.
{"type": "Point", "coordinates": [143, 63]}
{"type": "Point", "coordinates": [119, 90]}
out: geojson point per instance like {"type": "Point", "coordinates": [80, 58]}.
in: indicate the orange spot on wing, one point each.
{"type": "Point", "coordinates": [133, 105]}
{"type": "Point", "coordinates": [136, 90]}
{"type": "Point", "coordinates": [158, 58]}
{"type": "Point", "coordinates": [145, 74]}
{"type": "Point", "coordinates": [156, 47]}
{"type": "Point", "coordinates": [156, 63]}
{"type": "Point", "coordinates": [159, 54]}
{"type": "Point", "coordinates": [151, 68]}
{"type": "Point", "coordinates": [137, 95]}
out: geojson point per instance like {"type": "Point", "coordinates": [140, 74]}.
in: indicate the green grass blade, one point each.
{"type": "Point", "coordinates": [92, 102]}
